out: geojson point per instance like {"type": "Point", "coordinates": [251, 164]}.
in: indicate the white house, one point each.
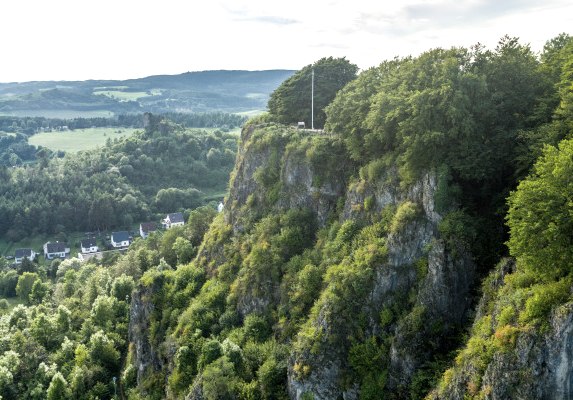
{"type": "Point", "coordinates": [145, 228]}
{"type": "Point", "coordinates": [55, 250]}
{"type": "Point", "coordinates": [24, 253]}
{"type": "Point", "coordinates": [174, 219]}
{"type": "Point", "coordinates": [89, 245]}
{"type": "Point", "coordinates": [120, 239]}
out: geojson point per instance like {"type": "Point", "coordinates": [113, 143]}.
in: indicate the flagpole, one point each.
{"type": "Point", "coordinates": [312, 102]}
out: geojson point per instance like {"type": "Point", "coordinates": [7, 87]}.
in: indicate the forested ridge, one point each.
{"type": "Point", "coordinates": [15, 131]}
{"type": "Point", "coordinates": [412, 250]}
{"type": "Point", "coordinates": [126, 182]}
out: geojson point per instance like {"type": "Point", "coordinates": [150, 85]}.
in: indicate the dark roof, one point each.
{"type": "Point", "coordinates": [23, 253]}
{"type": "Point", "coordinates": [57, 247]}
{"type": "Point", "coordinates": [120, 236]}
{"type": "Point", "coordinates": [88, 242]}
{"type": "Point", "coordinates": [175, 217]}
{"type": "Point", "coordinates": [148, 226]}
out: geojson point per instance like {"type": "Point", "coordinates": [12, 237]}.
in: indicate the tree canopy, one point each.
{"type": "Point", "coordinates": [291, 101]}
{"type": "Point", "coordinates": [540, 211]}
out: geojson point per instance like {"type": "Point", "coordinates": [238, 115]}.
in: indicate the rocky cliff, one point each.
{"type": "Point", "coordinates": [509, 355]}
{"type": "Point", "coordinates": [353, 275]}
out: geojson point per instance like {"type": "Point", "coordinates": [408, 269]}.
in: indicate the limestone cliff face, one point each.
{"type": "Point", "coordinates": [297, 185]}
{"type": "Point", "coordinates": [442, 295]}
{"type": "Point", "coordinates": [146, 358]}
{"type": "Point", "coordinates": [421, 282]}
{"type": "Point", "coordinates": [534, 364]}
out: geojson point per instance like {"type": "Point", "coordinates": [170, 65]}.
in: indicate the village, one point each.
{"type": "Point", "coordinates": [91, 247]}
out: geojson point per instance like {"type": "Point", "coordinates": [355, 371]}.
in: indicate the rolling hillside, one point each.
{"type": "Point", "coordinates": [207, 91]}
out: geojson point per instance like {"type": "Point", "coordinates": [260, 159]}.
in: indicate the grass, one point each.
{"type": "Point", "coordinates": [234, 131]}
{"type": "Point", "coordinates": [251, 113]}
{"type": "Point", "coordinates": [61, 114]}
{"type": "Point", "coordinates": [125, 96]}
{"type": "Point", "coordinates": [79, 139]}
{"type": "Point", "coordinates": [13, 302]}
{"type": "Point", "coordinates": [35, 243]}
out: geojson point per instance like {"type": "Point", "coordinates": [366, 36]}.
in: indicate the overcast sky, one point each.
{"type": "Point", "coordinates": [119, 39]}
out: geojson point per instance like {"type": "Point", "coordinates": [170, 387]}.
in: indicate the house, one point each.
{"type": "Point", "coordinates": [55, 250]}
{"type": "Point", "coordinates": [24, 253]}
{"type": "Point", "coordinates": [120, 239]}
{"type": "Point", "coordinates": [146, 228]}
{"type": "Point", "coordinates": [89, 245]}
{"type": "Point", "coordinates": [174, 219]}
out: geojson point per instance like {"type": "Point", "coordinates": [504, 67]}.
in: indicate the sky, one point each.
{"type": "Point", "coordinates": [122, 39]}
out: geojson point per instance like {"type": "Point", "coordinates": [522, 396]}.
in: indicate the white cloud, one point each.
{"type": "Point", "coordinates": [68, 39]}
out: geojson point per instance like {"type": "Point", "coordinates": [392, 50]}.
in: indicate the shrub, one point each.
{"type": "Point", "coordinates": [406, 212]}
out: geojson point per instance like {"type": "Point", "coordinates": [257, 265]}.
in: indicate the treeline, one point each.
{"type": "Point", "coordinates": [123, 183]}
{"type": "Point", "coordinates": [30, 125]}
{"type": "Point", "coordinates": [14, 131]}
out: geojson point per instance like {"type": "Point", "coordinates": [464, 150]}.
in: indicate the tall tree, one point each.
{"type": "Point", "coordinates": [291, 101]}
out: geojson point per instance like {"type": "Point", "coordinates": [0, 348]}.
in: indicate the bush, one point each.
{"type": "Point", "coordinates": [543, 299]}
{"type": "Point", "coordinates": [406, 213]}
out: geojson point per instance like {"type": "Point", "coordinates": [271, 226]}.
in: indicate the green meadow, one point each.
{"type": "Point", "coordinates": [78, 139]}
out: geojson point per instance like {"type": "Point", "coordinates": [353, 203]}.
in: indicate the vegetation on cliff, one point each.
{"type": "Point", "coordinates": [346, 263]}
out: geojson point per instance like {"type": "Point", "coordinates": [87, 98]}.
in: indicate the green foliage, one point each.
{"type": "Point", "coordinates": [38, 292]}
{"type": "Point", "coordinates": [171, 199]}
{"type": "Point", "coordinates": [219, 380]}
{"type": "Point", "coordinates": [58, 389]}
{"type": "Point", "coordinates": [198, 223]}
{"type": "Point", "coordinates": [25, 285]}
{"type": "Point", "coordinates": [272, 378]}
{"type": "Point", "coordinates": [539, 216]}
{"type": "Point", "coordinates": [8, 282]}
{"type": "Point", "coordinates": [405, 213]}
{"type": "Point", "coordinates": [291, 101]}
{"type": "Point", "coordinates": [543, 299]}
{"type": "Point", "coordinates": [118, 185]}
{"type": "Point", "coordinates": [457, 227]}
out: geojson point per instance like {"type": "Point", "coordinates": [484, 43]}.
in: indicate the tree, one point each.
{"type": "Point", "coordinates": [539, 217]}
{"type": "Point", "coordinates": [25, 284]}
{"type": "Point", "coordinates": [172, 199]}
{"type": "Point", "coordinates": [219, 380]}
{"type": "Point", "coordinates": [291, 101]}
{"type": "Point", "coordinates": [184, 250]}
{"type": "Point", "coordinates": [38, 292]}
{"type": "Point", "coordinates": [58, 389]}
{"type": "Point", "coordinates": [122, 287]}
{"type": "Point", "coordinates": [198, 223]}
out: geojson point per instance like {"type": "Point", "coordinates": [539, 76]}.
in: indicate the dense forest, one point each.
{"type": "Point", "coordinates": [419, 247]}
{"type": "Point", "coordinates": [126, 182]}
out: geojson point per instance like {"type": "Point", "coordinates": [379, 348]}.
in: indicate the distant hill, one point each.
{"type": "Point", "coordinates": [206, 91]}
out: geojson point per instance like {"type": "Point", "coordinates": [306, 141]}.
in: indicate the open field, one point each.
{"type": "Point", "coordinates": [126, 96]}
{"type": "Point", "coordinates": [251, 113]}
{"type": "Point", "coordinates": [79, 139]}
{"type": "Point", "coordinates": [62, 114]}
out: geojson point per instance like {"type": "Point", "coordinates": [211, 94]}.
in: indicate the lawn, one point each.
{"type": "Point", "coordinates": [124, 96]}
{"type": "Point", "coordinates": [35, 243]}
{"type": "Point", "coordinates": [79, 139]}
